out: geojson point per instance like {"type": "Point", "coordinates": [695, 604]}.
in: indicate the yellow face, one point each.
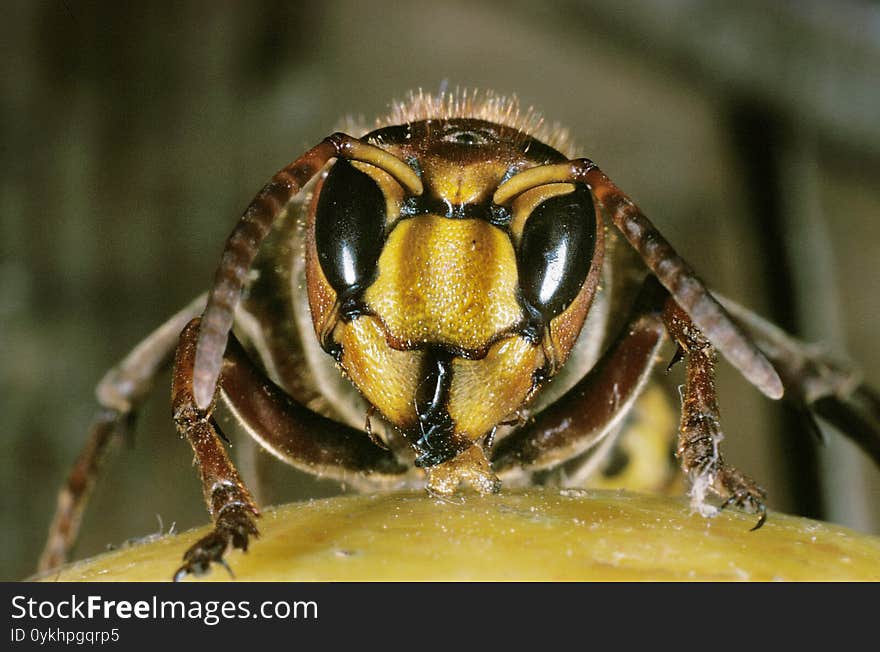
{"type": "Point", "coordinates": [445, 310]}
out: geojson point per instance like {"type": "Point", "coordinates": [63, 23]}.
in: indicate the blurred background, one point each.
{"type": "Point", "coordinates": [135, 133]}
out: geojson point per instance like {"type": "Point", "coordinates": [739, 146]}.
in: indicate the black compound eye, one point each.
{"type": "Point", "coordinates": [349, 229]}
{"type": "Point", "coordinates": [556, 251]}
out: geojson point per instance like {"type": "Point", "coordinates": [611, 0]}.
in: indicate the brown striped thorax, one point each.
{"type": "Point", "coordinates": [447, 310]}
{"type": "Point", "coordinates": [495, 306]}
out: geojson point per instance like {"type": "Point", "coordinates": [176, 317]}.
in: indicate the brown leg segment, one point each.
{"type": "Point", "coordinates": [700, 436]}
{"type": "Point", "coordinates": [292, 432]}
{"type": "Point", "coordinates": [229, 502]}
{"type": "Point", "coordinates": [593, 407]}
{"type": "Point", "coordinates": [119, 393]}
{"type": "Point", "coordinates": [107, 428]}
{"type": "Point", "coordinates": [281, 425]}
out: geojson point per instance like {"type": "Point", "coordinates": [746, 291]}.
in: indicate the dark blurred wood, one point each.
{"type": "Point", "coordinates": [813, 61]}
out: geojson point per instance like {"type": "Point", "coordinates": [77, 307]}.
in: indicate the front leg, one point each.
{"type": "Point", "coordinates": [700, 435]}
{"type": "Point", "coordinates": [281, 425]}
{"type": "Point", "coordinates": [593, 409]}
{"type": "Point", "coordinates": [229, 502]}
